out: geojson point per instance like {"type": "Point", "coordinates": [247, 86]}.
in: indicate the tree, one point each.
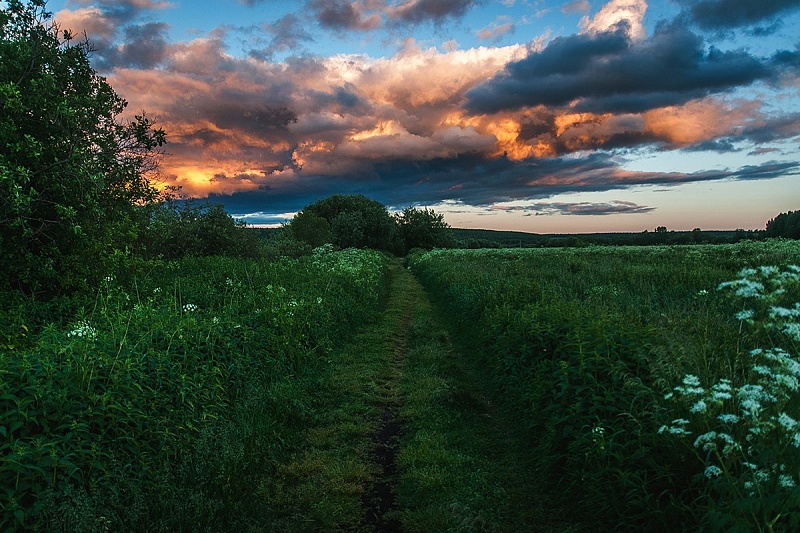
{"type": "Point", "coordinates": [311, 228]}
{"type": "Point", "coordinates": [72, 176]}
{"type": "Point", "coordinates": [423, 228]}
{"type": "Point", "coordinates": [784, 225]}
{"type": "Point", "coordinates": [357, 222]}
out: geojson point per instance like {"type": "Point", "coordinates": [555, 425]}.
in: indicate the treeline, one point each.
{"type": "Point", "coordinates": [478, 238]}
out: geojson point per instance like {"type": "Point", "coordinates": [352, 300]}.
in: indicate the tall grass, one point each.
{"type": "Point", "coordinates": [582, 345]}
{"type": "Point", "coordinates": [165, 401]}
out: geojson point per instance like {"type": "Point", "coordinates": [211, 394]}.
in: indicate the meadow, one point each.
{"type": "Point", "coordinates": [164, 400]}
{"type": "Point", "coordinates": [656, 386]}
{"type": "Point", "coordinates": [609, 388]}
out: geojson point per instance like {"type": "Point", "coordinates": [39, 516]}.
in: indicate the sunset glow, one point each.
{"type": "Point", "coordinates": [590, 115]}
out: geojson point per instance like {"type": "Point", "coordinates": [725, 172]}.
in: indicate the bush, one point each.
{"type": "Point", "coordinates": [176, 229]}
{"type": "Point", "coordinates": [423, 228]}
{"type": "Point", "coordinates": [355, 222]}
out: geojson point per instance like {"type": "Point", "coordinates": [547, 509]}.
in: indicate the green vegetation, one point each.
{"type": "Point", "coordinates": [171, 398]}
{"type": "Point", "coordinates": [71, 176]}
{"type": "Point", "coordinates": [162, 368]}
{"type": "Point", "coordinates": [180, 228]}
{"type": "Point", "coordinates": [784, 225]}
{"type": "Point", "coordinates": [581, 345]}
{"type": "Point", "coordinates": [355, 221]}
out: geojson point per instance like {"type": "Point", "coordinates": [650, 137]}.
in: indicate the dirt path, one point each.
{"type": "Point", "coordinates": [403, 437]}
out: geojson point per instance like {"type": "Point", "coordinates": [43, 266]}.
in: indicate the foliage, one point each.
{"type": "Point", "coordinates": [579, 344]}
{"type": "Point", "coordinates": [355, 222]}
{"type": "Point", "coordinates": [745, 426]}
{"type": "Point", "coordinates": [168, 401]}
{"type": "Point", "coordinates": [310, 228]}
{"type": "Point", "coordinates": [423, 228]}
{"type": "Point", "coordinates": [176, 229]}
{"type": "Point", "coordinates": [70, 173]}
{"type": "Point", "coordinates": [784, 225]}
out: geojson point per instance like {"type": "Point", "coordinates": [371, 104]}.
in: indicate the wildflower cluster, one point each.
{"type": "Point", "coordinates": [746, 429]}
{"type": "Point", "coordinates": [766, 288]}
{"type": "Point", "coordinates": [83, 330]}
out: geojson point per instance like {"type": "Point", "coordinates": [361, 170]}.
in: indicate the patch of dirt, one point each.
{"type": "Point", "coordinates": [379, 501]}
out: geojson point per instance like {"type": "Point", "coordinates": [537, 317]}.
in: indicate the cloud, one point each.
{"type": "Point", "coordinates": [122, 11]}
{"type": "Point", "coordinates": [480, 126]}
{"type": "Point", "coordinates": [287, 33]}
{"type": "Point", "coordinates": [87, 19]}
{"type": "Point", "coordinates": [145, 46]}
{"type": "Point", "coordinates": [607, 72]}
{"type": "Point", "coordinates": [615, 207]}
{"type": "Point", "coordinates": [502, 26]}
{"type": "Point", "coordinates": [343, 15]}
{"type": "Point", "coordinates": [478, 182]}
{"type": "Point", "coordinates": [576, 6]}
{"type": "Point", "coordinates": [436, 11]}
{"type": "Point", "coordinates": [724, 14]}
{"type": "Point", "coordinates": [618, 14]}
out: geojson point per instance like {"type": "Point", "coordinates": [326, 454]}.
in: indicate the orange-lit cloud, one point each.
{"type": "Point", "coordinates": [512, 121]}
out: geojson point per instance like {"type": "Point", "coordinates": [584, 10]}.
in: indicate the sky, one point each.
{"type": "Point", "coordinates": [546, 116]}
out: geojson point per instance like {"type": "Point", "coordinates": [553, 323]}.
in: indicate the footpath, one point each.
{"type": "Point", "coordinates": [404, 437]}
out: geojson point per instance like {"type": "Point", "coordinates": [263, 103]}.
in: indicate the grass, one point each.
{"type": "Point", "coordinates": [515, 390]}
{"type": "Point", "coordinates": [581, 345]}
{"type": "Point", "coordinates": [463, 464]}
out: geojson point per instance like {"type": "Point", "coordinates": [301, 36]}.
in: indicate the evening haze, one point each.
{"type": "Point", "coordinates": [532, 115]}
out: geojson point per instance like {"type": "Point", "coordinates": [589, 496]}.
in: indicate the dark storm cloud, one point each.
{"type": "Point", "coordinates": [288, 33]}
{"type": "Point", "coordinates": [249, 117]}
{"type": "Point", "coordinates": [342, 15]}
{"type": "Point", "coordinates": [723, 14]}
{"type": "Point", "coordinates": [480, 182]}
{"type": "Point", "coordinates": [436, 11]}
{"type": "Point", "coordinates": [717, 145]}
{"type": "Point", "coordinates": [609, 73]}
{"type": "Point", "coordinates": [145, 46]}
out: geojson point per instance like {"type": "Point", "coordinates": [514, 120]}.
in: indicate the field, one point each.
{"type": "Point", "coordinates": [591, 388]}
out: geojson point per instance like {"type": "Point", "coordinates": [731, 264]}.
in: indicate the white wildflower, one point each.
{"type": "Point", "coordinates": [690, 380]}
{"type": "Point", "coordinates": [728, 418]}
{"type": "Point", "coordinates": [189, 308]}
{"type": "Point", "coordinates": [787, 421]}
{"type": "Point", "coordinates": [713, 471]}
{"type": "Point", "coordinates": [699, 407]}
{"type": "Point", "coordinates": [782, 312]}
{"type": "Point", "coordinates": [786, 481]}
{"type": "Point", "coordinates": [706, 441]}
{"type": "Point", "coordinates": [747, 314]}
{"type": "Point", "coordinates": [83, 330]}
{"type": "Point", "coordinates": [768, 271]}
